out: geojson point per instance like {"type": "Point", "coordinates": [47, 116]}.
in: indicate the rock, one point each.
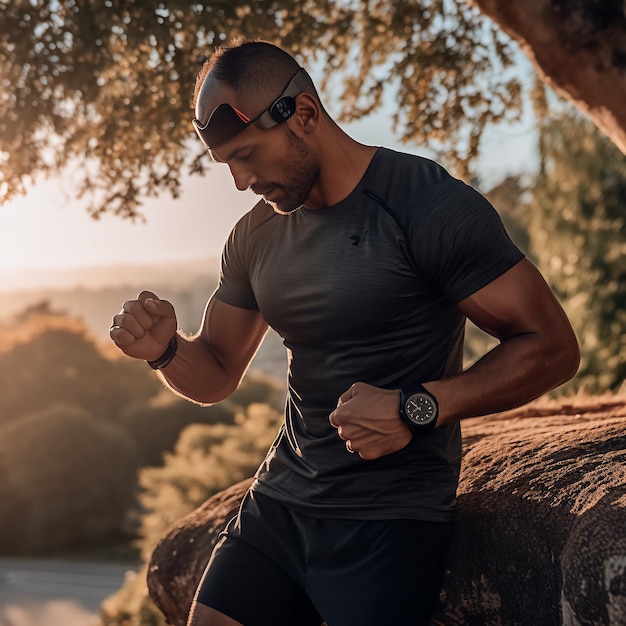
{"type": "Point", "coordinates": [540, 535]}
{"type": "Point", "coordinates": [178, 561]}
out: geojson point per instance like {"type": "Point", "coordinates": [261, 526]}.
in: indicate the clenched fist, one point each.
{"type": "Point", "coordinates": [367, 418]}
{"type": "Point", "coordinates": [144, 327]}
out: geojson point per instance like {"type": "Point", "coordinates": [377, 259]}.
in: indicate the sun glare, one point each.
{"type": "Point", "coordinates": [48, 230]}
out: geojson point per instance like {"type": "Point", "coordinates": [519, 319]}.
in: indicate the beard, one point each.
{"type": "Point", "coordinates": [301, 172]}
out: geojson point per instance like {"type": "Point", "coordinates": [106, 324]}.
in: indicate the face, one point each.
{"type": "Point", "coordinates": [276, 163]}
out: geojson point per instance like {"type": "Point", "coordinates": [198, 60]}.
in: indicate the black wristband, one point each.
{"type": "Point", "coordinates": [165, 359]}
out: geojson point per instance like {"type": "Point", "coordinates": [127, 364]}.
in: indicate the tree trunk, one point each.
{"type": "Point", "coordinates": [578, 47]}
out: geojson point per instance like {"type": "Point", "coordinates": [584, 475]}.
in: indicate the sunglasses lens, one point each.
{"type": "Point", "coordinates": [224, 123]}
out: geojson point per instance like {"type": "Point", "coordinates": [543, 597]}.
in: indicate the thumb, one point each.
{"type": "Point", "coordinates": [345, 396]}
{"type": "Point", "coordinates": [147, 295]}
{"type": "Point", "coordinates": [155, 306]}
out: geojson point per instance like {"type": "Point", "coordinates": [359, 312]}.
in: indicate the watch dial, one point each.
{"type": "Point", "coordinates": [420, 408]}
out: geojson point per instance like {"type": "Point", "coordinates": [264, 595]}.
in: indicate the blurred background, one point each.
{"type": "Point", "coordinates": [106, 191]}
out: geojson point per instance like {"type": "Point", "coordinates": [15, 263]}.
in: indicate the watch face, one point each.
{"type": "Point", "coordinates": [420, 408]}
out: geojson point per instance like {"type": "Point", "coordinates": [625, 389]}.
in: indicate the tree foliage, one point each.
{"type": "Point", "coordinates": [104, 87]}
{"type": "Point", "coordinates": [577, 223]}
{"type": "Point", "coordinates": [67, 479]}
{"type": "Point", "coordinates": [206, 460]}
{"type": "Point", "coordinates": [49, 358]}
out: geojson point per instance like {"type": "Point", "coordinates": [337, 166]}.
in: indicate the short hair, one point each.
{"type": "Point", "coordinates": [256, 70]}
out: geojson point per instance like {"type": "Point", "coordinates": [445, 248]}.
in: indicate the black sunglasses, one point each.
{"type": "Point", "coordinates": [226, 121]}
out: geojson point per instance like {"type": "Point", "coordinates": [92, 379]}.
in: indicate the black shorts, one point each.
{"type": "Point", "coordinates": [276, 567]}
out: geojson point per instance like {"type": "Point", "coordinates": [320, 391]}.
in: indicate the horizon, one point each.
{"type": "Point", "coordinates": [102, 275]}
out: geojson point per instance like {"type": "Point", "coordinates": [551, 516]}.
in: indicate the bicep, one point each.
{"type": "Point", "coordinates": [232, 334]}
{"type": "Point", "coordinates": [516, 303]}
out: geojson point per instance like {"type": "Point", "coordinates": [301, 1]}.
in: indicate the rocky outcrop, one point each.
{"type": "Point", "coordinates": [540, 536]}
{"type": "Point", "coordinates": [179, 559]}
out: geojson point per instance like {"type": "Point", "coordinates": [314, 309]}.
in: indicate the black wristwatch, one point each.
{"type": "Point", "coordinates": [419, 409]}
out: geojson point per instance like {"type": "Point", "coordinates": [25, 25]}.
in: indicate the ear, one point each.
{"type": "Point", "coordinates": [308, 113]}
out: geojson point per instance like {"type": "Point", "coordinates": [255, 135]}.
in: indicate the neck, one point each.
{"type": "Point", "coordinates": [343, 162]}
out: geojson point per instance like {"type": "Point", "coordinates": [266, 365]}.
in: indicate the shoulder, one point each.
{"type": "Point", "coordinates": [251, 225]}
{"type": "Point", "coordinates": [412, 187]}
{"type": "Point", "coordinates": [410, 169]}
{"type": "Point", "coordinates": [257, 216]}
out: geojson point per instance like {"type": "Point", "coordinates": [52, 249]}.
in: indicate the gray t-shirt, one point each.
{"type": "Point", "coordinates": [366, 290]}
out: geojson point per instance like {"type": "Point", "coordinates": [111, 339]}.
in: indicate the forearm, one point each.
{"type": "Point", "coordinates": [517, 371]}
{"type": "Point", "coordinates": [209, 366]}
{"type": "Point", "coordinates": [197, 373]}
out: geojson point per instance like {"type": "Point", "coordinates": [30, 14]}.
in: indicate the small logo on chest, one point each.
{"type": "Point", "coordinates": [357, 239]}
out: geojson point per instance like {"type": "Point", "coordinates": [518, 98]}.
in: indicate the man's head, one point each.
{"type": "Point", "coordinates": [243, 98]}
{"type": "Point", "coordinates": [226, 120]}
{"type": "Point", "coordinates": [255, 74]}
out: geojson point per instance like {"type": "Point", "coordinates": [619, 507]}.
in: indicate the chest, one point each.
{"type": "Point", "coordinates": [340, 275]}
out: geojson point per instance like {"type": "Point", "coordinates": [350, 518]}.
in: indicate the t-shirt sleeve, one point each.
{"type": "Point", "coordinates": [459, 241]}
{"type": "Point", "coordinates": [234, 286]}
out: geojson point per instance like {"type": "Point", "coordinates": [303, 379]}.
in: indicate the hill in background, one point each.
{"type": "Point", "coordinates": [95, 294]}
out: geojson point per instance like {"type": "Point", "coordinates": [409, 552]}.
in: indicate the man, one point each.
{"type": "Point", "coordinates": [367, 262]}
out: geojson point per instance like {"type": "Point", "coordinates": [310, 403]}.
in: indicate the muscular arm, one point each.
{"type": "Point", "coordinates": [537, 352]}
{"type": "Point", "coordinates": [208, 366]}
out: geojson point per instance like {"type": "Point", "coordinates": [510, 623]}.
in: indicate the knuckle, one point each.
{"type": "Point", "coordinates": [128, 306]}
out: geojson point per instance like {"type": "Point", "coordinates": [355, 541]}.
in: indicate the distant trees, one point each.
{"type": "Point", "coordinates": [76, 426]}
{"type": "Point", "coordinates": [67, 470]}
{"type": "Point", "coordinates": [67, 479]}
{"type": "Point", "coordinates": [576, 217]}
{"type": "Point", "coordinates": [207, 459]}
{"type": "Point", "coordinates": [50, 358]}
{"type": "Point", "coordinates": [570, 218]}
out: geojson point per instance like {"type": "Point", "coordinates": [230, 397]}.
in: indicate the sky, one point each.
{"type": "Point", "coordinates": [49, 230]}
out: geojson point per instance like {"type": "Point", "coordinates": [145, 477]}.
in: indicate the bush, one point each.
{"type": "Point", "coordinates": [68, 480]}
{"type": "Point", "coordinates": [155, 425]}
{"type": "Point", "coordinates": [60, 363]}
{"type": "Point", "coordinates": [206, 460]}
{"type": "Point", "coordinates": [131, 605]}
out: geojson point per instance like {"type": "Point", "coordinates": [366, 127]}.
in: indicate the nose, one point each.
{"type": "Point", "coordinates": [243, 178]}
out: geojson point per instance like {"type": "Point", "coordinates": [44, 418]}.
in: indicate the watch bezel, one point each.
{"type": "Point", "coordinates": [418, 425]}
{"type": "Point", "coordinates": [418, 419]}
